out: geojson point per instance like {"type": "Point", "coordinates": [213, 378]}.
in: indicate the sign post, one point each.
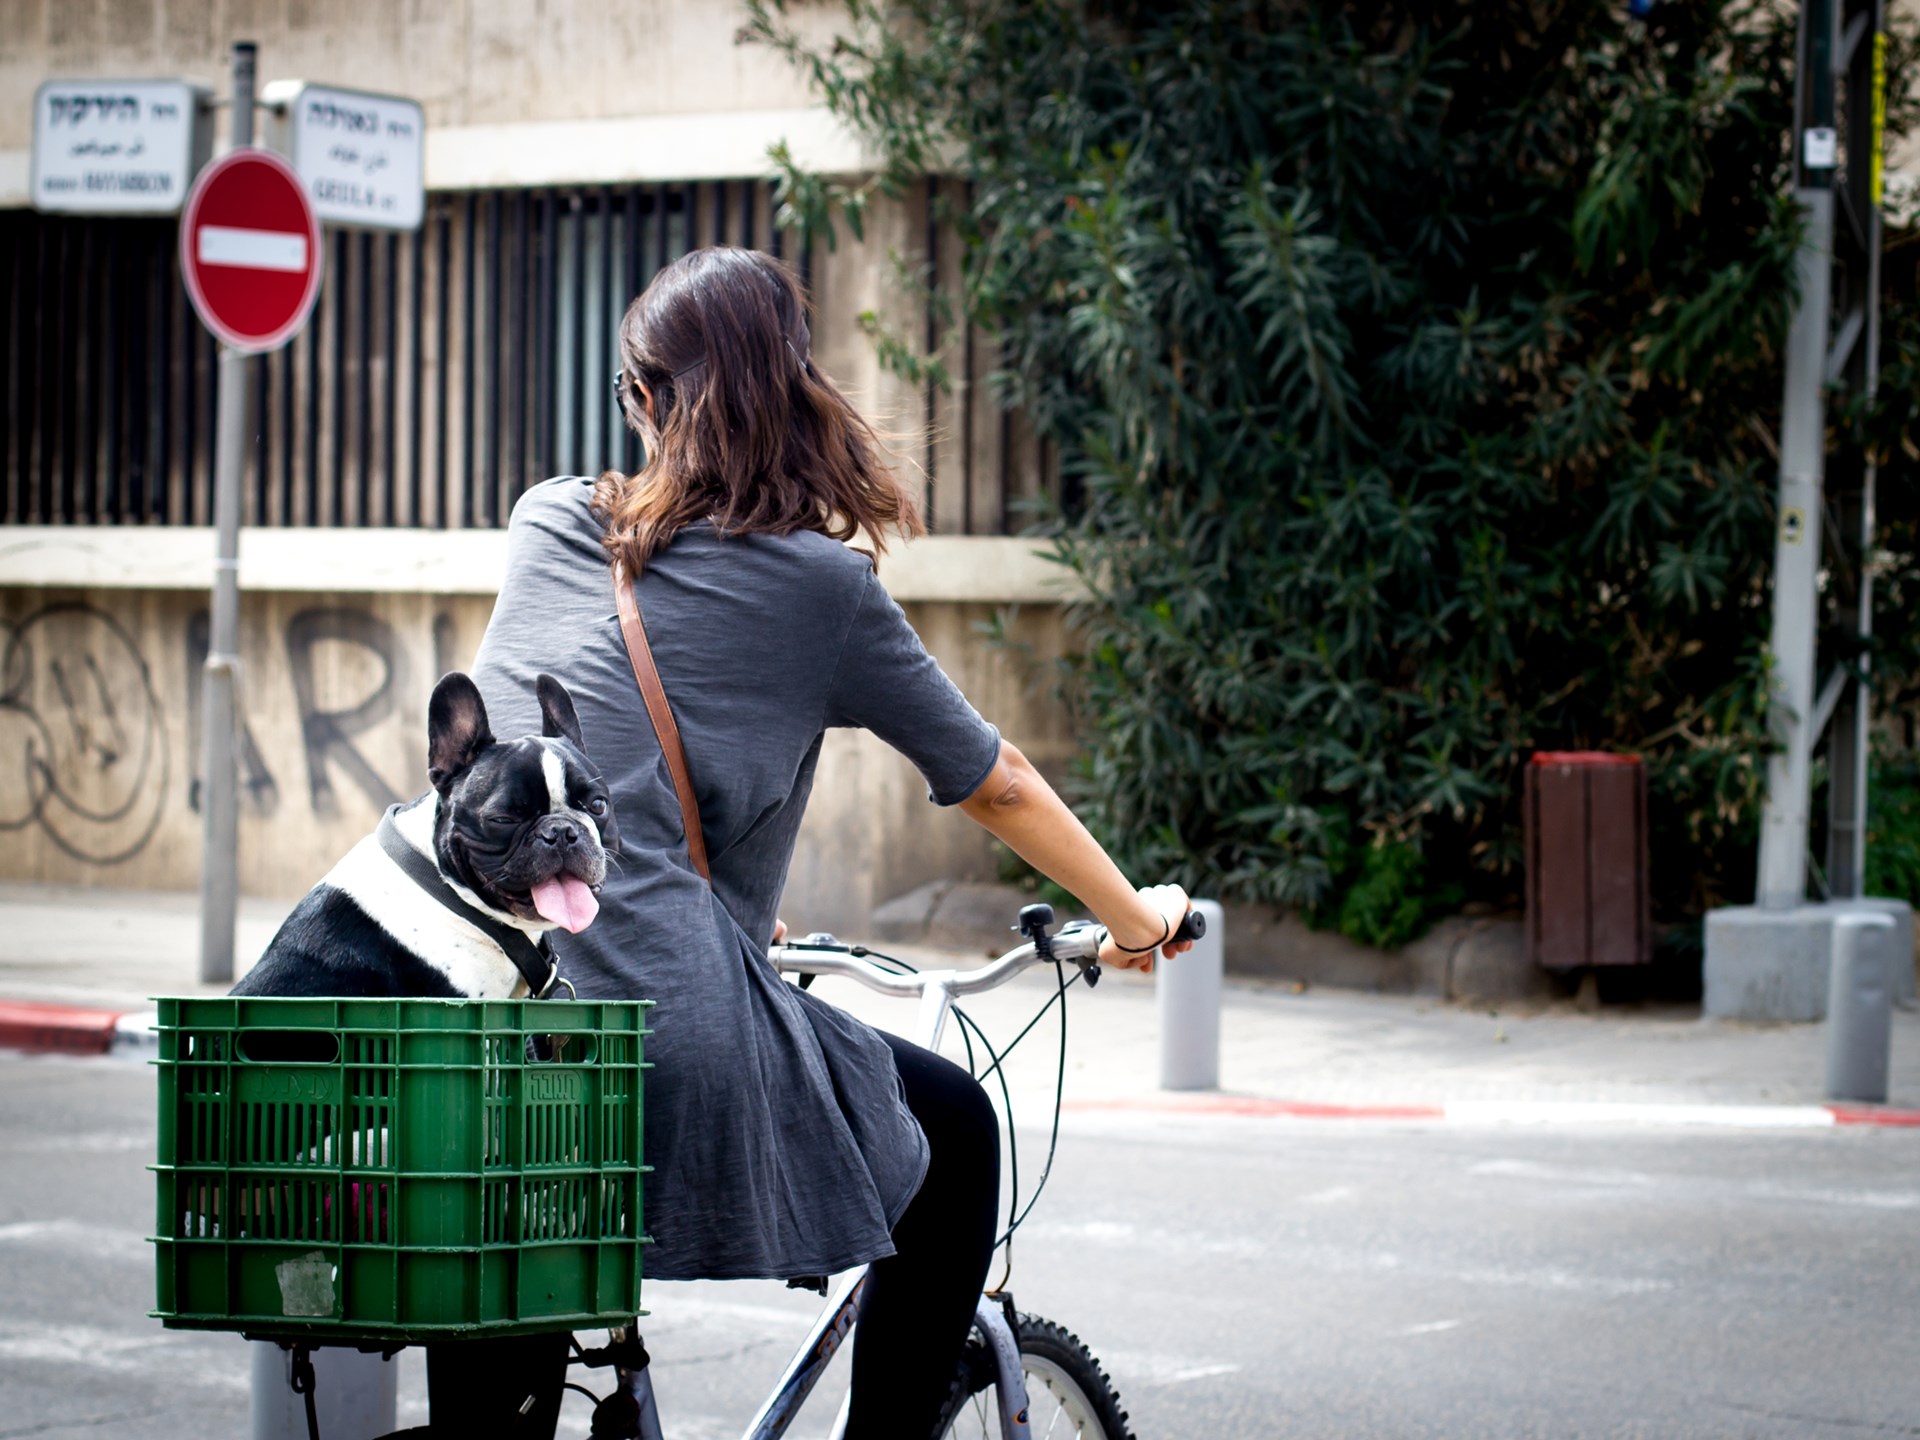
{"type": "Point", "coordinates": [250, 254]}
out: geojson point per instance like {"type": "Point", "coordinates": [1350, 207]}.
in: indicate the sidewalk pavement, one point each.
{"type": "Point", "coordinates": [1286, 1053]}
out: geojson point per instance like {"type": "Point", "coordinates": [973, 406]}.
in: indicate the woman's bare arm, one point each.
{"type": "Point", "coordinates": [1017, 806]}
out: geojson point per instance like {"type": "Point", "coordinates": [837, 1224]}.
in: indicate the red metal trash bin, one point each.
{"type": "Point", "coordinates": [1586, 832]}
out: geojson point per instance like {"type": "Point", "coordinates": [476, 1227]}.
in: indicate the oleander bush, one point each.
{"type": "Point", "coordinates": [1415, 371]}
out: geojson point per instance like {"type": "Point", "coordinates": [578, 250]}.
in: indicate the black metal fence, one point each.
{"type": "Point", "coordinates": [441, 373]}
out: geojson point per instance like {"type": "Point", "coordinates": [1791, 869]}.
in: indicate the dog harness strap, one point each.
{"type": "Point", "coordinates": [534, 962]}
{"type": "Point", "coordinates": [640, 655]}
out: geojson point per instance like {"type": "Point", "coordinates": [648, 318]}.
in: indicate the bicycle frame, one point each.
{"type": "Point", "coordinates": [936, 991]}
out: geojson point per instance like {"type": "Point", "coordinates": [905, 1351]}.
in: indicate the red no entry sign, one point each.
{"type": "Point", "coordinates": [250, 250]}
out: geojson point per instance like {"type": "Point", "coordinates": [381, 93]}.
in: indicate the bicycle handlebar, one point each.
{"type": "Point", "coordinates": [1079, 942]}
{"type": "Point", "coordinates": [823, 955]}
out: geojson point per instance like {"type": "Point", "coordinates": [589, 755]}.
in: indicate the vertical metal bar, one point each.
{"type": "Point", "coordinates": [577, 437]}
{"type": "Point", "coordinates": [182, 510]}
{"type": "Point", "coordinates": [133, 379]}
{"type": "Point", "coordinates": [207, 435]}
{"type": "Point", "coordinates": [10, 312]}
{"type": "Point", "coordinates": [390, 401]}
{"type": "Point", "coordinates": [517, 471]}
{"type": "Point", "coordinates": [969, 399]}
{"type": "Point", "coordinates": [46, 374]}
{"type": "Point", "coordinates": [490, 498]}
{"type": "Point", "coordinates": [1007, 471]}
{"type": "Point", "coordinates": [470, 364]}
{"type": "Point", "coordinates": [416, 403]}
{"type": "Point", "coordinates": [219, 866]}
{"type": "Point", "coordinates": [663, 244]}
{"type": "Point", "coordinates": [363, 388]}
{"type": "Point", "coordinates": [932, 335]}
{"type": "Point", "coordinates": [315, 333]}
{"type": "Point", "coordinates": [72, 358]}
{"type": "Point", "coordinates": [285, 362]}
{"type": "Point", "coordinates": [545, 275]}
{"type": "Point", "coordinates": [84, 415]}
{"type": "Point", "coordinates": [107, 497]}
{"type": "Point", "coordinates": [443, 326]}
{"type": "Point", "coordinates": [337, 482]}
{"type": "Point", "coordinates": [719, 212]}
{"type": "Point", "coordinates": [599, 385]}
{"type": "Point", "coordinates": [639, 219]}
{"type": "Point", "coordinates": [164, 287]}
{"type": "Point", "coordinates": [16, 226]}
{"type": "Point", "coordinates": [261, 447]}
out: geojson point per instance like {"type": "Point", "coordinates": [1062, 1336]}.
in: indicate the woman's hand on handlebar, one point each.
{"type": "Point", "coordinates": [1160, 910]}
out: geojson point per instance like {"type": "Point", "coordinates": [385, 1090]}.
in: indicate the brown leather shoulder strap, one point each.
{"type": "Point", "coordinates": [658, 711]}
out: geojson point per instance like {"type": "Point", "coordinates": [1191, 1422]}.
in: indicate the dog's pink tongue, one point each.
{"type": "Point", "coordinates": [566, 901]}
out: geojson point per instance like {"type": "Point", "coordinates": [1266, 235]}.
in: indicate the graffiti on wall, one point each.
{"type": "Point", "coordinates": [85, 755]}
{"type": "Point", "coordinates": [83, 750]}
{"type": "Point", "coordinates": [328, 734]}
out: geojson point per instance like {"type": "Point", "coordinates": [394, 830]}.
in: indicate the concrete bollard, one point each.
{"type": "Point", "coordinates": [1187, 989]}
{"type": "Point", "coordinates": [355, 1395]}
{"type": "Point", "coordinates": [1860, 1007]}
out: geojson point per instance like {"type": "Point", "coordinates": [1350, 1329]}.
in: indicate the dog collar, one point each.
{"type": "Point", "coordinates": [534, 962]}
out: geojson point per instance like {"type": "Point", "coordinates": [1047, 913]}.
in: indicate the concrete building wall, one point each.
{"type": "Point", "coordinates": [102, 636]}
{"type": "Point", "coordinates": [469, 62]}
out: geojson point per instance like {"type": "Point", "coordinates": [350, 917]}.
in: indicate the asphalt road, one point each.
{"type": "Point", "coordinates": [1239, 1277]}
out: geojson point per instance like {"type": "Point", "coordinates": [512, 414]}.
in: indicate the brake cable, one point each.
{"type": "Point", "coordinates": [969, 1030]}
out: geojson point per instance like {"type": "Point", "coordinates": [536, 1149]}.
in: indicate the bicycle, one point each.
{"type": "Point", "coordinates": [1015, 1363]}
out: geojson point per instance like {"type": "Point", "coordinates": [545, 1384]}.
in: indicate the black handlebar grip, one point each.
{"type": "Point", "coordinates": [1191, 927]}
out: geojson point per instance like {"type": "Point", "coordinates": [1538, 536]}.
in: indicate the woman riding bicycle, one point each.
{"type": "Point", "coordinates": [786, 1138]}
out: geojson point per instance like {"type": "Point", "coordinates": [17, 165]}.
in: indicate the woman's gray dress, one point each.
{"type": "Point", "coordinates": [779, 1141]}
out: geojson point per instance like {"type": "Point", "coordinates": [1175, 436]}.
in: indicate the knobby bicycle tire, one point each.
{"type": "Point", "coordinates": [1064, 1381]}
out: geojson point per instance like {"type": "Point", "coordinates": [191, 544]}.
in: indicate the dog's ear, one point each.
{"type": "Point", "coordinates": [557, 719]}
{"type": "Point", "coordinates": [457, 729]}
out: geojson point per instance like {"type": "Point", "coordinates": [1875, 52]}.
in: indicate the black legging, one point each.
{"type": "Point", "coordinates": [914, 1316]}
{"type": "Point", "coordinates": [919, 1301]}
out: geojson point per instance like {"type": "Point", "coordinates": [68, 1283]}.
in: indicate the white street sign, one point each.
{"type": "Point", "coordinates": [362, 157]}
{"type": "Point", "coordinates": [117, 147]}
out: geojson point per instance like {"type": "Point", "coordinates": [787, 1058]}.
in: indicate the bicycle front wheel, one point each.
{"type": "Point", "coordinates": [1069, 1396]}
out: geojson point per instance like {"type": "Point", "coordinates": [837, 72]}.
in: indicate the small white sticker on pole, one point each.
{"type": "Point", "coordinates": [1820, 148]}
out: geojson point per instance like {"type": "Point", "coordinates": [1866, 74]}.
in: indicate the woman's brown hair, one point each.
{"type": "Point", "coordinates": [743, 427]}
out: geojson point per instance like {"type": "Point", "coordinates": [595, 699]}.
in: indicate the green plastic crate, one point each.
{"type": "Point", "coordinates": [398, 1169]}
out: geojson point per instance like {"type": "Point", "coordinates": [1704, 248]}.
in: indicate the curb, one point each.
{"type": "Point", "coordinates": [1561, 1113]}
{"type": "Point", "coordinates": [44, 1029]}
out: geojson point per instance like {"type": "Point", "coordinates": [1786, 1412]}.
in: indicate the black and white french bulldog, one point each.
{"type": "Point", "coordinates": [511, 843]}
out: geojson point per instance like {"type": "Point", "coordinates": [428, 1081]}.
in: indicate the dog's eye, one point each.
{"type": "Point", "coordinates": [596, 806]}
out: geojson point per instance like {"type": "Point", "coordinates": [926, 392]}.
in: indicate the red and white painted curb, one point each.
{"type": "Point", "coordinates": [1554, 1113]}
{"type": "Point", "coordinates": [45, 1029]}
{"type": "Point", "coordinates": [74, 1030]}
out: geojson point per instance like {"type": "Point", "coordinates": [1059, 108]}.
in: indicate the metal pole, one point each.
{"type": "Point", "coordinates": [1860, 1007]}
{"type": "Point", "coordinates": [1849, 750]}
{"type": "Point", "coordinates": [220, 789]}
{"type": "Point", "coordinates": [355, 1394]}
{"type": "Point", "coordinates": [1187, 989]}
{"type": "Point", "coordinates": [1796, 552]}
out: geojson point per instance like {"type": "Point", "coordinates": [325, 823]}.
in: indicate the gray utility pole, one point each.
{"type": "Point", "coordinates": [220, 788]}
{"type": "Point", "coordinates": [1855, 365]}
{"type": "Point", "coordinates": [1839, 251]}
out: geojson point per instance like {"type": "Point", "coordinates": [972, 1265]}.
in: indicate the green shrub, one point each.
{"type": "Point", "coordinates": [1893, 827]}
{"type": "Point", "coordinates": [1414, 369]}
